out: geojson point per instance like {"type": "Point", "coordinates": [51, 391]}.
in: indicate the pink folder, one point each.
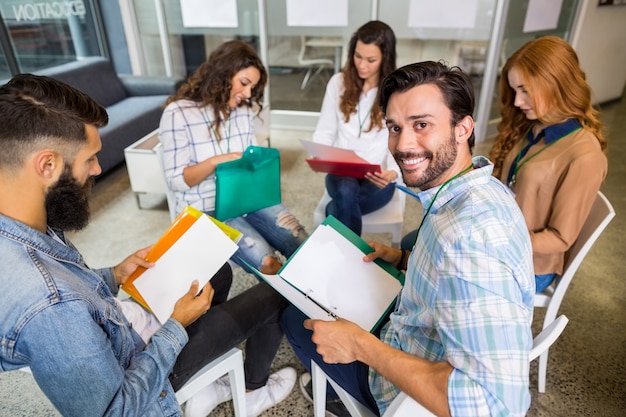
{"type": "Point", "coordinates": [337, 161]}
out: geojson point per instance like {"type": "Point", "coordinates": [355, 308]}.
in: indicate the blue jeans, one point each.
{"type": "Point", "coordinates": [354, 197]}
{"type": "Point", "coordinates": [542, 281]}
{"type": "Point", "coordinates": [352, 377]}
{"type": "Point", "coordinates": [408, 241]}
{"type": "Point", "coordinates": [265, 231]}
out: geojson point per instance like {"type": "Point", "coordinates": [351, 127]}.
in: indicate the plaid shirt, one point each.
{"type": "Point", "coordinates": [188, 138]}
{"type": "Point", "coordinates": [468, 297]}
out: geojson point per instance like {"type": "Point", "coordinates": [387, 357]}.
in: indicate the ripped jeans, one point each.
{"type": "Point", "coordinates": [265, 231]}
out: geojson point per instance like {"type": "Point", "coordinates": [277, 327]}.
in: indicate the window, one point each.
{"type": "Point", "coordinates": [43, 34]}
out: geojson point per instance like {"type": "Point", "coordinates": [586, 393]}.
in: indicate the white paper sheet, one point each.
{"type": "Point", "coordinates": [331, 153]}
{"type": "Point", "coordinates": [209, 13]}
{"type": "Point", "coordinates": [542, 15]}
{"type": "Point", "coordinates": [295, 297]}
{"type": "Point", "coordinates": [457, 14]}
{"type": "Point", "coordinates": [317, 13]}
{"type": "Point", "coordinates": [331, 270]}
{"type": "Point", "coordinates": [196, 255]}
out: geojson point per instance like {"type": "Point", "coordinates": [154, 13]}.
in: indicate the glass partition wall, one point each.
{"type": "Point", "coordinates": [43, 34]}
{"type": "Point", "coordinates": [175, 37]}
{"type": "Point", "coordinates": [524, 22]}
{"type": "Point", "coordinates": [302, 42]}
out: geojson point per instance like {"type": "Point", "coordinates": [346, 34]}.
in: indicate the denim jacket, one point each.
{"type": "Point", "coordinates": [58, 317]}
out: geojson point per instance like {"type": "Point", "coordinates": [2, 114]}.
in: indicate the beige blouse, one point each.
{"type": "Point", "coordinates": [555, 190]}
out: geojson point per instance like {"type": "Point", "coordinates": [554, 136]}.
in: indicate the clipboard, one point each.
{"type": "Point", "coordinates": [194, 247]}
{"type": "Point", "coordinates": [343, 285]}
{"type": "Point", "coordinates": [337, 161]}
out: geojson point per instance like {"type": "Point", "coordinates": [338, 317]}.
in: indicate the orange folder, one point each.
{"type": "Point", "coordinates": [179, 226]}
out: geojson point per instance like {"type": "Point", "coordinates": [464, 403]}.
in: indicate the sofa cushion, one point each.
{"type": "Point", "coordinates": [94, 76]}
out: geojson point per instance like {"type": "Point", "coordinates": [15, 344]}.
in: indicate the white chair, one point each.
{"type": "Point", "coordinates": [600, 216]}
{"type": "Point", "coordinates": [388, 219]}
{"type": "Point", "coordinates": [230, 363]}
{"type": "Point", "coordinates": [403, 405]}
{"type": "Point", "coordinates": [315, 64]}
{"type": "Point", "coordinates": [169, 194]}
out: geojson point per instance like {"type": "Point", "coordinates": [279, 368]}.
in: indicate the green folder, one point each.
{"type": "Point", "coordinates": [247, 184]}
{"type": "Point", "coordinates": [351, 292]}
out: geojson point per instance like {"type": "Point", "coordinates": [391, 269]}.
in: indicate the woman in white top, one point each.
{"type": "Point", "coordinates": [352, 119]}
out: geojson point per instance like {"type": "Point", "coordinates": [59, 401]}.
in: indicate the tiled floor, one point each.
{"type": "Point", "coordinates": [586, 375]}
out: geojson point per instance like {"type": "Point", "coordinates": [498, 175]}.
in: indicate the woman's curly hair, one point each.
{"type": "Point", "coordinates": [211, 83]}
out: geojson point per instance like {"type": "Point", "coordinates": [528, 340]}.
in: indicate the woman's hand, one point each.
{"type": "Point", "coordinates": [195, 174]}
{"type": "Point", "coordinates": [381, 179]}
{"type": "Point", "coordinates": [226, 157]}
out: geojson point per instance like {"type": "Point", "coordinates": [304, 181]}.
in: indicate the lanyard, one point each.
{"type": "Point", "coordinates": [516, 166]}
{"type": "Point", "coordinates": [217, 138]}
{"type": "Point", "coordinates": [358, 114]}
{"type": "Point", "coordinates": [406, 190]}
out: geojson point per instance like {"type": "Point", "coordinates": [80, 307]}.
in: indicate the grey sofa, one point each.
{"type": "Point", "coordinates": [134, 104]}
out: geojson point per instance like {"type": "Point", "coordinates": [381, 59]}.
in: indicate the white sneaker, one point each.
{"type": "Point", "coordinates": [204, 401]}
{"type": "Point", "coordinates": [277, 388]}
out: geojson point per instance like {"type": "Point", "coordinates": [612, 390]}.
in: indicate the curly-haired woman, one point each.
{"type": "Point", "coordinates": [209, 121]}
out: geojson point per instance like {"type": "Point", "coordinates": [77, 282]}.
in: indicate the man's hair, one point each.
{"type": "Point", "coordinates": [455, 86]}
{"type": "Point", "coordinates": [38, 112]}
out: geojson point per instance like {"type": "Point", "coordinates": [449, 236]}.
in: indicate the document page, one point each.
{"type": "Point", "coordinates": [337, 161]}
{"type": "Point", "coordinates": [330, 270]}
{"type": "Point", "coordinates": [331, 153]}
{"type": "Point", "coordinates": [197, 255]}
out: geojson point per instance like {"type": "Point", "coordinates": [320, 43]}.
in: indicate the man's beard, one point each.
{"type": "Point", "coordinates": [67, 203]}
{"type": "Point", "coordinates": [443, 158]}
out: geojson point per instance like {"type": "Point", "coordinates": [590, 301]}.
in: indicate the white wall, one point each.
{"type": "Point", "coordinates": [600, 41]}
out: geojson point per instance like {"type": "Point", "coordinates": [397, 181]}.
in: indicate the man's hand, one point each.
{"type": "Point", "coordinates": [337, 341]}
{"type": "Point", "coordinates": [383, 252]}
{"type": "Point", "coordinates": [128, 265]}
{"type": "Point", "coordinates": [192, 305]}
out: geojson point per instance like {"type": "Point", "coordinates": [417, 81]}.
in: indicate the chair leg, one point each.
{"type": "Point", "coordinates": [238, 388]}
{"type": "Point", "coordinates": [319, 390]}
{"type": "Point", "coordinates": [230, 363]}
{"type": "Point", "coordinates": [305, 81]}
{"type": "Point", "coordinates": [542, 370]}
{"type": "Point", "coordinates": [317, 72]}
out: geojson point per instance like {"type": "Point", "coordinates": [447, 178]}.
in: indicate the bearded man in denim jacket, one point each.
{"type": "Point", "coordinates": [62, 319]}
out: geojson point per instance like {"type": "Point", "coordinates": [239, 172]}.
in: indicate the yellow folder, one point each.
{"type": "Point", "coordinates": [174, 232]}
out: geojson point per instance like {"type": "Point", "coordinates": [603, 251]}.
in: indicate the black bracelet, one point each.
{"type": "Point", "coordinates": [400, 264]}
